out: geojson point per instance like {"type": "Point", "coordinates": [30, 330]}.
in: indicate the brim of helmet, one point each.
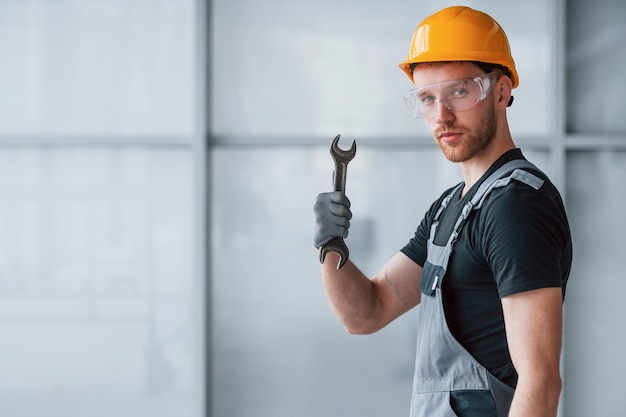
{"type": "Point", "coordinates": [423, 58]}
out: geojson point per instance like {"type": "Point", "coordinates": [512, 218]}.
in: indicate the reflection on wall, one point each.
{"type": "Point", "coordinates": [596, 62]}
{"type": "Point", "coordinates": [97, 68]}
{"type": "Point", "coordinates": [95, 282]}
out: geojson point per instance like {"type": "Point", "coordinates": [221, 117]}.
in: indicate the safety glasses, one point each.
{"type": "Point", "coordinates": [457, 95]}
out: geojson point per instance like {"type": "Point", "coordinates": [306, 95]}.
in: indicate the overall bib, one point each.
{"type": "Point", "coordinates": [444, 369]}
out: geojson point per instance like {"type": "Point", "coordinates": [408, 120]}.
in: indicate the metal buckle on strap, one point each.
{"type": "Point", "coordinates": [467, 209]}
{"type": "Point", "coordinates": [433, 290]}
{"type": "Point", "coordinates": [453, 237]}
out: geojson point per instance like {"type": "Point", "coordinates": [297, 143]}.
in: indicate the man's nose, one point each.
{"type": "Point", "coordinates": [442, 113]}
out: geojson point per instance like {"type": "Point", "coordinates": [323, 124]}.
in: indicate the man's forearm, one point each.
{"type": "Point", "coordinates": [351, 294]}
{"type": "Point", "coordinates": [540, 399]}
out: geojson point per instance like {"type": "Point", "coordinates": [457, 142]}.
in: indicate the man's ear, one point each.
{"type": "Point", "coordinates": [504, 90]}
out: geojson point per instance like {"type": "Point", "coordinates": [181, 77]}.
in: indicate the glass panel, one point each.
{"type": "Point", "coordinates": [309, 69]}
{"type": "Point", "coordinates": [595, 335]}
{"type": "Point", "coordinates": [96, 283]}
{"type": "Point", "coordinates": [278, 349]}
{"type": "Point", "coordinates": [114, 67]}
{"type": "Point", "coordinates": [596, 58]}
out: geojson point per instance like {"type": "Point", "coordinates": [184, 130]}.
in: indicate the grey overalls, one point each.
{"type": "Point", "coordinates": [442, 365]}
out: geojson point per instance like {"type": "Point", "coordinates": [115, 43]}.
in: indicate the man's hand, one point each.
{"type": "Point", "coordinates": [332, 217]}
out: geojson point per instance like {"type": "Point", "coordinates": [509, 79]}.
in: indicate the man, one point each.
{"type": "Point", "coordinates": [489, 262]}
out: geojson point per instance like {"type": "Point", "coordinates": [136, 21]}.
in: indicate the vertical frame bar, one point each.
{"type": "Point", "coordinates": [559, 27]}
{"type": "Point", "coordinates": [558, 130]}
{"type": "Point", "coordinates": [202, 305]}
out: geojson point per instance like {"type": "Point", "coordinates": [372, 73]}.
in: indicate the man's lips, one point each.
{"type": "Point", "coordinates": [449, 137]}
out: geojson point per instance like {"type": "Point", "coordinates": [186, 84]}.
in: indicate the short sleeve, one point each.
{"type": "Point", "coordinates": [525, 236]}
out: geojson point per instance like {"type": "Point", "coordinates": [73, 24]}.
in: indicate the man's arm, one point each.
{"type": "Point", "coordinates": [534, 325]}
{"type": "Point", "coordinates": [365, 306]}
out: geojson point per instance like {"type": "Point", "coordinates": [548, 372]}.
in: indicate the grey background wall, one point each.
{"type": "Point", "coordinates": [158, 164]}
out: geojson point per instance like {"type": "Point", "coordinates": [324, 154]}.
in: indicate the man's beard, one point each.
{"type": "Point", "coordinates": [475, 142]}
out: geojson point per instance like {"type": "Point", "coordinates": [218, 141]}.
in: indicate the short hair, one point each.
{"type": "Point", "coordinates": [489, 67]}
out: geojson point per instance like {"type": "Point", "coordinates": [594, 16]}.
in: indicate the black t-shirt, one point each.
{"type": "Point", "coordinates": [518, 241]}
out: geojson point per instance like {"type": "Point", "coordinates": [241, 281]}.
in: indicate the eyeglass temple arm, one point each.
{"type": "Point", "coordinates": [510, 101]}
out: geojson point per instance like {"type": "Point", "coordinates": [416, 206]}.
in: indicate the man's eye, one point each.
{"type": "Point", "coordinates": [428, 99]}
{"type": "Point", "coordinates": [459, 92]}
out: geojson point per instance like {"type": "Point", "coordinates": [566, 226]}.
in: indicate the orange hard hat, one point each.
{"type": "Point", "coordinates": [460, 34]}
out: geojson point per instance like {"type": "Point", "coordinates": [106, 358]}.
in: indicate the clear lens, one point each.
{"type": "Point", "coordinates": [457, 95]}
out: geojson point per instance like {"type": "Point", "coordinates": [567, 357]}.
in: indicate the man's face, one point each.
{"type": "Point", "coordinates": [461, 135]}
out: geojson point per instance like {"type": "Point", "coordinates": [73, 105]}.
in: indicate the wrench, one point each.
{"type": "Point", "coordinates": [341, 158]}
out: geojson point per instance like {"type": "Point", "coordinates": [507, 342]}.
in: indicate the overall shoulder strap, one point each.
{"type": "Point", "coordinates": [446, 201]}
{"type": "Point", "coordinates": [499, 178]}
{"type": "Point", "coordinates": [442, 207]}
{"type": "Point", "coordinates": [512, 170]}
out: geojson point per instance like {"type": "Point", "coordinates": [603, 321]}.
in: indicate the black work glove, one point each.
{"type": "Point", "coordinates": [332, 217]}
